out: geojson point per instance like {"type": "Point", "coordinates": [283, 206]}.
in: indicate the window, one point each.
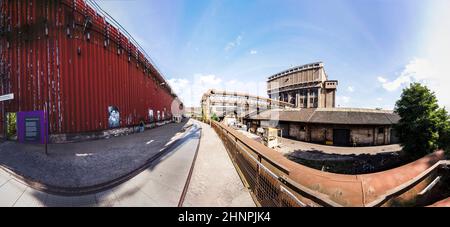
{"type": "Point", "coordinates": [314, 102]}
{"type": "Point", "coordinates": [380, 130]}
{"type": "Point", "coordinates": [150, 115]}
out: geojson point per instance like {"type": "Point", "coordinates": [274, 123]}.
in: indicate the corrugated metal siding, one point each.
{"type": "Point", "coordinates": [64, 52]}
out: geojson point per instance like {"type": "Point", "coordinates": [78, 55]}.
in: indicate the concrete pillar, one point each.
{"type": "Point", "coordinates": [334, 99]}
{"type": "Point", "coordinates": [319, 96]}
{"type": "Point", "coordinates": [374, 136]}
{"type": "Point", "coordinates": [308, 103]}
{"type": "Point", "coordinates": [308, 133]}
{"type": "Point", "coordinates": [388, 135]}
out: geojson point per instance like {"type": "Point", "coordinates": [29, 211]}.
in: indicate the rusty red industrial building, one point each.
{"type": "Point", "coordinates": [65, 56]}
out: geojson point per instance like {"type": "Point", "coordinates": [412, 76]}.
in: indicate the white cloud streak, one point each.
{"type": "Point", "coordinates": [432, 74]}
{"type": "Point", "coordinates": [234, 43]}
{"type": "Point", "coordinates": [342, 101]}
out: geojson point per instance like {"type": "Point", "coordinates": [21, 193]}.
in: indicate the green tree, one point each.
{"type": "Point", "coordinates": [214, 117]}
{"type": "Point", "coordinates": [424, 126]}
{"type": "Point", "coordinates": [443, 130]}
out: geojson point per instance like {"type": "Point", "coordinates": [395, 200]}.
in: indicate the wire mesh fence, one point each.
{"type": "Point", "coordinates": [263, 183]}
{"type": "Point", "coordinates": [271, 186]}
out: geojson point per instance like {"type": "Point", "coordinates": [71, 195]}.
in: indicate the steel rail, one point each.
{"type": "Point", "coordinates": [191, 170]}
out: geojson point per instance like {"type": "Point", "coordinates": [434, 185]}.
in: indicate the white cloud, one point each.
{"type": "Point", "coordinates": [178, 84]}
{"type": "Point", "coordinates": [381, 79]}
{"type": "Point", "coordinates": [379, 99]}
{"type": "Point", "coordinates": [342, 100]}
{"type": "Point", "coordinates": [350, 89]}
{"type": "Point", "coordinates": [431, 68]}
{"type": "Point", "coordinates": [209, 79]}
{"type": "Point", "coordinates": [191, 91]}
{"type": "Point", "coordinates": [432, 74]}
{"type": "Point", "coordinates": [420, 70]}
{"type": "Point", "coordinates": [437, 50]}
{"type": "Point", "coordinates": [253, 52]}
{"type": "Point", "coordinates": [234, 43]}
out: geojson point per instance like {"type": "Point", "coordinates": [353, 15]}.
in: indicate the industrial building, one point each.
{"type": "Point", "coordinates": [315, 118]}
{"type": "Point", "coordinates": [76, 66]}
{"type": "Point", "coordinates": [305, 86]}
{"type": "Point", "coordinates": [332, 126]}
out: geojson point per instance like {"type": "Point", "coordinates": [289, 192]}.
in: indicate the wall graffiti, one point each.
{"type": "Point", "coordinates": [113, 117]}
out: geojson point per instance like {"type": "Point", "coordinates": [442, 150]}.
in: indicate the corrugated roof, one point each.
{"type": "Point", "coordinates": [331, 116]}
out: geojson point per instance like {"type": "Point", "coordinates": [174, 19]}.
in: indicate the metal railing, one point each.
{"type": "Point", "coordinates": [405, 187]}
{"type": "Point", "coordinates": [266, 179]}
{"type": "Point", "coordinates": [270, 183]}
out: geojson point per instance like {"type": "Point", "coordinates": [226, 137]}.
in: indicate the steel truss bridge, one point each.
{"type": "Point", "coordinates": [223, 103]}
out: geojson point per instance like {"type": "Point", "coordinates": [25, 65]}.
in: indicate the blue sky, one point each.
{"type": "Point", "coordinates": [373, 47]}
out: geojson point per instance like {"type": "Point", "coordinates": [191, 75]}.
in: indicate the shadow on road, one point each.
{"type": "Point", "coordinates": [93, 162]}
{"type": "Point", "coordinates": [122, 191]}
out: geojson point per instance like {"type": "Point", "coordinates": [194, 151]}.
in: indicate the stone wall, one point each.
{"type": "Point", "coordinates": [330, 98]}
{"type": "Point", "coordinates": [294, 131]}
{"type": "Point", "coordinates": [362, 136]}
{"type": "Point", "coordinates": [318, 134]}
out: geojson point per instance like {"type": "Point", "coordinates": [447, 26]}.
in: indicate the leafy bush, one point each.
{"type": "Point", "coordinates": [214, 117]}
{"type": "Point", "coordinates": [424, 126]}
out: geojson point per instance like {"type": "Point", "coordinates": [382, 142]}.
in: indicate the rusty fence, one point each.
{"type": "Point", "coordinates": [270, 185]}
{"type": "Point", "coordinates": [267, 180]}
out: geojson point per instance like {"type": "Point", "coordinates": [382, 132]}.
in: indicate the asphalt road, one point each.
{"type": "Point", "coordinates": [87, 163]}
{"type": "Point", "coordinates": [214, 180]}
{"type": "Point", "coordinates": [161, 184]}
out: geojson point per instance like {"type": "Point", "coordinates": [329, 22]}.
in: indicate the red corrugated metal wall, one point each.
{"type": "Point", "coordinates": [65, 53]}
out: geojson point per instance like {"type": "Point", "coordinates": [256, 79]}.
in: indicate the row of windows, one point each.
{"type": "Point", "coordinates": [301, 93]}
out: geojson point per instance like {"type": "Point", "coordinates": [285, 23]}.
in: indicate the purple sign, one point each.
{"type": "Point", "coordinates": [31, 127]}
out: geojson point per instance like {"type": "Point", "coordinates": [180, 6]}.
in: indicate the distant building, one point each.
{"type": "Point", "coordinates": [333, 126]}
{"type": "Point", "coordinates": [305, 86]}
{"type": "Point", "coordinates": [194, 112]}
